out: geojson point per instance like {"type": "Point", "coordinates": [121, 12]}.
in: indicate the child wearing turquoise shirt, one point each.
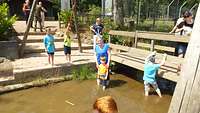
{"type": "Point", "coordinates": [150, 70]}
{"type": "Point", "coordinates": [49, 46]}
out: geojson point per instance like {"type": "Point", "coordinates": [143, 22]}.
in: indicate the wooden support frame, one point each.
{"type": "Point", "coordinates": [152, 45]}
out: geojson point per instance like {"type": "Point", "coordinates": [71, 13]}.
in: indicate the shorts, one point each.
{"type": "Point", "coordinates": [50, 53]}
{"type": "Point", "coordinates": [67, 50]}
{"type": "Point", "coordinates": [182, 48]}
{"type": "Point", "coordinates": [147, 85]}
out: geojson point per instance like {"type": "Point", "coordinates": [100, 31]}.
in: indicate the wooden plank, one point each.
{"type": "Point", "coordinates": [157, 47]}
{"type": "Point", "coordinates": [144, 53]}
{"type": "Point", "coordinates": [128, 56]}
{"type": "Point", "coordinates": [186, 95]}
{"type": "Point", "coordinates": [163, 37]}
{"type": "Point", "coordinates": [122, 33]}
{"type": "Point", "coordinates": [152, 36]}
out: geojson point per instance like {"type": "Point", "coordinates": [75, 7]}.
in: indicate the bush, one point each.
{"type": "Point", "coordinates": [94, 12]}
{"type": "Point", "coordinates": [83, 73]}
{"type": "Point", "coordinates": [66, 16]}
{"type": "Point", "coordinates": [5, 22]}
{"type": "Point", "coordinates": [160, 26]}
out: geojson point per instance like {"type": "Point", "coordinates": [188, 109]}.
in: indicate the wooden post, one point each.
{"type": "Point", "coordinates": [27, 28]}
{"type": "Point", "coordinates": [136, 39]}
{"type": "Point", "coordinates": [152, 45]}
{"type": "Point", "coordinates": [186, 96]}
{"type": "Point", "coordinates": [109, 39]}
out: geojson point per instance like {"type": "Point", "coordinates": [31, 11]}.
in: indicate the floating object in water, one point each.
{"type": "Point", "coordinates": [69, 102]}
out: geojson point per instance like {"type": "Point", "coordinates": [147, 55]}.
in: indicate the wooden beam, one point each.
{"type": "Point", "coordinates": [151, 36]}
{"type": "Point", "coordinates": [152, 46]}
{"type": "Point", "coordinates": [27, 28]}
{"type": "Point", "coordinates": [186, 96]}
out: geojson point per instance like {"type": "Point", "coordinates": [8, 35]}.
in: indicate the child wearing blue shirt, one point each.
{"type": "Point", "coordinates": [49, 46]}
{"type": "Point", "coordinates": [150, 70]}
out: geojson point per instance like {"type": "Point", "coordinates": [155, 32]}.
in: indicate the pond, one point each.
{"type": "Point", "coordinates": [78, 97]}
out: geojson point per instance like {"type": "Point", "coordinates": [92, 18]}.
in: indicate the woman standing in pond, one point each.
{"type": "Point", "coordinates": [102, 49]}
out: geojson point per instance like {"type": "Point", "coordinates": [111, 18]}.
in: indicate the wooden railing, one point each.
{"type": "Point", "coordinates": [135, 57]}
{"type": "Point", "coordinates": [153, 36]}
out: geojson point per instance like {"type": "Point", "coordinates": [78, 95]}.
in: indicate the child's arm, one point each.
{"type": "Point", "coordinates": [164, 59]}
{"type": "Point", "coordinates": [95, 57]}
{"type": "Point", "coordinates": [45, 43]}
{"type": "Point", "coordinates": [109, 56]}
{"type": "Point", "coordinates": [91, 28]}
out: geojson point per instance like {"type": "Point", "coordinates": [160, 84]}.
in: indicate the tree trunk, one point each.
{"type": "Point", "coordinates": [74, 6]}
{"type": "Point", "coordinates": [118, 12]}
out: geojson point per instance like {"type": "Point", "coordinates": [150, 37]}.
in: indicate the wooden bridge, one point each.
{"type": "Point", "coordinates": [186, 96]}
{"type": "Point", "coordinates": [135, 56]}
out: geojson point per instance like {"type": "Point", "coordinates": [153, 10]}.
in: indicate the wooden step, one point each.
{"type": "Point", "coordinates": [39, 47]}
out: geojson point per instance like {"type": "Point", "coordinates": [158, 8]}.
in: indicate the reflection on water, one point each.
{"type": "Point", "coordinates": [78, 97]}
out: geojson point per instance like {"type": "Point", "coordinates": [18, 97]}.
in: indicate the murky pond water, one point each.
{"type": "Point", "coordinates": [56, 98]}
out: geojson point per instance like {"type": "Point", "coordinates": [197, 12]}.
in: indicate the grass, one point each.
{"type": "Point", "coordinates": [160, 26]}
{"type": "Point", "coordinates": [83, 73]}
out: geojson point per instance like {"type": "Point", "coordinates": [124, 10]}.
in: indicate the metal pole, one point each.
{"type": "Point", "coordinates": [102, 8]}
{"type": "Point", "coordinates": [168, 9]}
{"type": "Point", "coordinates": [193, 7]}
{"type": "Point", "coordinates": [139, 11]}
{"type": "Point", "coordinates": [181, 9]}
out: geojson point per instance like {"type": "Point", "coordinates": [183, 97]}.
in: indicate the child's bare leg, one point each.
{"type": "Point", "coordinates": [49, 61]}
{"type": "Point", "coordinates": [158, 92]}
{"type": "Point", "coordinates": [52, 60]}
{"type": "Point", "coordinates": [146, 88]}
{"type": "Point", "coordinates": [155, 86]}
{"type": "Point", "coordinates": [69, 58]}
{"type": "Point", "coordinates": [98, 81]}
{"type": "Point", "coordinates": [104, 84]}
{"type": "Point", "coordinates": [66, 57]}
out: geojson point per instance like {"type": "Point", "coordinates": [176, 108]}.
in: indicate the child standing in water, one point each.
{"type": "Point", "coordinates": [67, 43]}
{"type": "Point", "coordinates": [150, 70]}
{"type": "Point", "coordinates": [49, 46]}
{"type": "Point", "coordinates": [102, 73]}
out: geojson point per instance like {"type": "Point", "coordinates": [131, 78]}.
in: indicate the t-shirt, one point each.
{"type": "Point", "coordinates": [150, 71]}
{"type": "Point", "coordinates": [102, 52]}
{"type": "Point", "coordinates": [67, 41]}
{"type": "Point", "coordinates": [179, 21]}
{"type": "Point", "coordinates": [98, 28]}
{"type": "Point", "coordinates": [187, 28]}
{"type": "Point", "coordinates": [26, 9]}
{"type": "Point", "coordinates": [102, 69]}
{"type": "Point", "coordinates": [49, 43]}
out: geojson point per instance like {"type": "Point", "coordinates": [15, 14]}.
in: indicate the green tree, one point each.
{"type": "Point", "coordinates": [5, 21]}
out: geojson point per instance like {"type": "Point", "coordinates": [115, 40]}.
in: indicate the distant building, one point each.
{"type": "Point", "coordinates": [15, 7]}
